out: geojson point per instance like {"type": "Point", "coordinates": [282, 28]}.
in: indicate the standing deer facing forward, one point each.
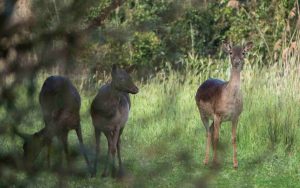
{"type": "Point", "coordinates": [222, 101]}
{"type": "Point", "coordinates": [60, 104]}
{"type": "Point", "coordinates": [109, 111]}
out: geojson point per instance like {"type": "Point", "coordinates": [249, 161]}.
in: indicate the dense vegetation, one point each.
{"type": "Point", "coordinates": [164, 141]}
{"type": "Point", "coordinates": [153, 33]}
{"type": "Point", "coordinates": [174, 46]}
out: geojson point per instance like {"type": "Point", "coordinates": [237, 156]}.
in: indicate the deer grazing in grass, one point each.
{"type": "Point", "coordinates": [60, 103]}
{"type": "Point", "coordinates": [222, 101]}
{"type": "Point", "coordinates": [109, 110]}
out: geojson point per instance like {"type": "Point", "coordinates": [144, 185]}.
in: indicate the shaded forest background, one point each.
{"type": "Point", "coordinates": [153, 35]}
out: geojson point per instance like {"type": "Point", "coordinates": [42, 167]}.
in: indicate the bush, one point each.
{"type": "Point", "coordinates": [147, 49]}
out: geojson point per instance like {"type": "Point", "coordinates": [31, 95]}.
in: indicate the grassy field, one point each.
{"type": "Point", "coordinates": [163, 143]}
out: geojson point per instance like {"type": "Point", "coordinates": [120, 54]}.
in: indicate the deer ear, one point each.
{"type": "Point", "coordinates": [226, 47]}
{"type": "Point", "coordinates": [248, 46]}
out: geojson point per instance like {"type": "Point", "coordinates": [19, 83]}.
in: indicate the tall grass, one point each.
{"type": "Point", "coordinates": [164, 139]}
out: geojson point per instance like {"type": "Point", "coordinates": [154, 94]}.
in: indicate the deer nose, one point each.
{"type": "Point", "coordinates": [236, 60]}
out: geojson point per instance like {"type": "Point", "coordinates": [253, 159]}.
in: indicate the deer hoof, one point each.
{"type": "Point", "coordinates": [121, 173]}
{"type": "Point", "coordinates": [205, 162]}
{"type": "Point", "coordinates": [114, 172]}
{"type": "Point", "coordinates": [216, 164]}
{"type": "Point", "coordinates": [235, 165]}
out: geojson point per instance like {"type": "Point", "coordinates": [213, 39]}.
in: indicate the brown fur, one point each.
{"type": "Point", "coordinates": [222, 101]}
{"type": "Point", "coordinates": [60, 104]}
{"type": "Point", "coordinates": [209, 90]}
{"type": "Point", "coordinates": [110, 111]}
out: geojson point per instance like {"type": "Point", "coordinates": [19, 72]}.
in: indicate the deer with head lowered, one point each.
{"type": "Point", "coordinates": [60, 104]}
{"type": "Point", "coordinates": [109, 110]}
{"type": "Point", "coordinates": [222, 101]}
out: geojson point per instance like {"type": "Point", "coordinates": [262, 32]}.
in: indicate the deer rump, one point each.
{"type": "Point", "coordinates": [60, 102]}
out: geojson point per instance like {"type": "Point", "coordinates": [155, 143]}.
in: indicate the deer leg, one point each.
{"type": "Point", "coordinates": [82, 148]}
{"type": "Point", "coordinates": [64, 140]}
{"type": "Point", "coordinates": [48, 154]}
{"type": "Point", "coordinates": [208, 139]}
{"type": "Point", "coordinates": [121, 170]}
{"type": "Point", "coordinates": [217, 122]}
{"type": "Point", "coordinates": [211, 128]}
{"type": "Point", "coordinates": [108, 161]}
{"type": "Point", "coordinates": [233, 138]}
{"type": "Point", "coordinates": [115, 140]}
{"type": "Point", "coordinates": [112, 139]}
{"type": "Point", "coordinates": [97, 136]}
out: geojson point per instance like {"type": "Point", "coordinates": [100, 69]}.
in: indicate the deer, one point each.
{"type": "Point", "coordinates": [60, 105]}
{"type": "Point", "coordinates": [222, 101]}
{"type": "Point", "coordinates": [109, 112]}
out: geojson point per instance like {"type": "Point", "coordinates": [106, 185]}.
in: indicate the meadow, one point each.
{"type": "Point", "coordinates": [163, 143]}
{"type": "Point", "coordinates": [175, 46]}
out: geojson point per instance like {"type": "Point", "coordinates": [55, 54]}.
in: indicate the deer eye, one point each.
{"type": "Point", "coordinates": [230, 52]}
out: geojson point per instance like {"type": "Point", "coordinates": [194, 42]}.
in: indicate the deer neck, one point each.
{"type": "Point", "coordinates": [234, 83]}
{"type": "Point", "coordinates": [114, 92]}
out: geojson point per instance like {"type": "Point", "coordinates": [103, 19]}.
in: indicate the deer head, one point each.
{"type": "Point", "coordinates": [122, 81]}
{"type": "Point", "coordinates": [237, 53]}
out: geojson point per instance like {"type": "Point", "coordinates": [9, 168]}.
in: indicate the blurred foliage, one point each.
{"type": "Point", "coordinates": [148, 33]}
{"type": "Point", "coordinates": [35, 37]}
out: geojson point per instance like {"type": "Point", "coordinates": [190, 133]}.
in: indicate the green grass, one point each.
{"type": "Point", "coordinates": [163, 143]}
